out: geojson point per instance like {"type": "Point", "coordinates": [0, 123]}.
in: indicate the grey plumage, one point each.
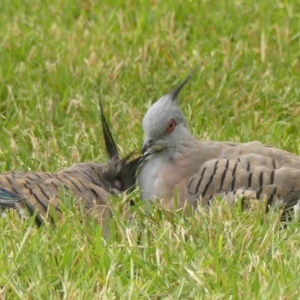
{"type": "Point", "coordinates": [203, 169]}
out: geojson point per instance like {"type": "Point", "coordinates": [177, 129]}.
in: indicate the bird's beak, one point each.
{"type": "Point", "coordinates": [152, 145]}
{"type": "Point", "coordinates": [147, 146]}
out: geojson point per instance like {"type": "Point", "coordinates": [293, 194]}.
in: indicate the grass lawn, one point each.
{"type": "Point", "coordinates": [58, 57]}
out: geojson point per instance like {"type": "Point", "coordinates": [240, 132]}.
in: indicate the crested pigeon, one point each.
{"type": "Point", "coordinates": [90, 183]}
{"type": "Point", "coordinates": [197, 171]}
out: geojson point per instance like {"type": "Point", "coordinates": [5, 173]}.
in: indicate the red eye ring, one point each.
{"type": "Point", "coordinates": [171, 126]}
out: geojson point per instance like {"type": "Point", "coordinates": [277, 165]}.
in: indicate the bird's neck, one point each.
{"type": "Point", "coordinates": [187, 141]}
{"type": "Point", "coordinates": [157, 162]}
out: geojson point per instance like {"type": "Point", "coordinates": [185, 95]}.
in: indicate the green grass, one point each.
{"type": "Point", "coordinates": [58, 57]}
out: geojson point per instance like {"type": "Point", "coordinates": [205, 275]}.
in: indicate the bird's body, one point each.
{"type": "Point", "coordinates": [90, 184]}
{"type": "Point", "coordinates": [39, 192]}
{"type": "Point", "coordinates": [200, 170]}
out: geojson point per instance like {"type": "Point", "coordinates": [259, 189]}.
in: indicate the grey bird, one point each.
{"type": "Point", "coordinates": [197, 171]}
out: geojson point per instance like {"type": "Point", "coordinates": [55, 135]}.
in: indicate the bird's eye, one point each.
{"type": "Point", "coordinates": [171, 126]}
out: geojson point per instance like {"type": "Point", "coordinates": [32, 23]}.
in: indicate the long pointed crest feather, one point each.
{"type": "Point", "coordinates": [174, 93]}
{"type": "Point", "coordinates": [110, 145]}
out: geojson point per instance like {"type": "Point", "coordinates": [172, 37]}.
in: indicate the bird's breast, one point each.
{"type": "Point", "coordinates": [147, 176]}
{"type": "Point", "coordinates": [161, 178]}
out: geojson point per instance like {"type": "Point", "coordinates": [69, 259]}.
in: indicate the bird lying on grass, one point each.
{"type": "Point", "coordinates": [201, 170]}
{"type": "Point", "coordinates": [91, 184]}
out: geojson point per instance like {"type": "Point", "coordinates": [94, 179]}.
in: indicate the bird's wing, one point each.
{"type": "Point", "coordinates": [270, 178]}
{"type": "Point", "coordinates": [38, 192]}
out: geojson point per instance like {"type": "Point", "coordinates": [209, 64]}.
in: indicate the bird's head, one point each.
{"type": "Point", "coordinates": [119, 173]}
{"type": "Point", "coordinates": [164, 124]}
